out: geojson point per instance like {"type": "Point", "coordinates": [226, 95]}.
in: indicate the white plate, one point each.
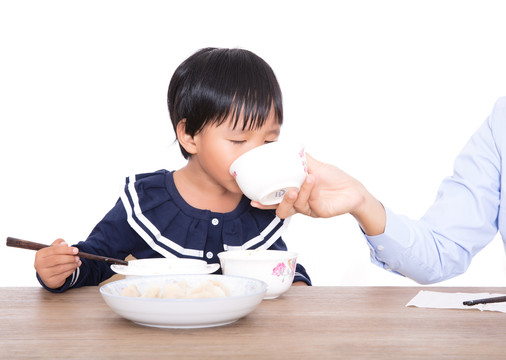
{"type": "Point", "coordinates": [245, 295]}
{"type": "Point", "coordinates": [164, 266]}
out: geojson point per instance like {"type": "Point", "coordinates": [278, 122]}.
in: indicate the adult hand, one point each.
{"type": "Point", "coordinates": [328, 191]}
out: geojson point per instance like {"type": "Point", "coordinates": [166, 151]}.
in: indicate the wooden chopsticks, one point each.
{"type": "Point", "coordinates": [30, 245]}
{"type": "Point", "coordinates": [489, 300]}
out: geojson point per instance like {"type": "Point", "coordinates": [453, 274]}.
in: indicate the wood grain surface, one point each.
{"type": "Point", "coordinates": [304, 323]}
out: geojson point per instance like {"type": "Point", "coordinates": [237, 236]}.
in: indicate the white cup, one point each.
{"type": "Point", "coordinates": [267, 172]}
{"type": "Point", "coordinates": [274, 267]}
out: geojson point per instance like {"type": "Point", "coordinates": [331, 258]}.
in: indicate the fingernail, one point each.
{"type": "Point", "coordinates": [75, 250]}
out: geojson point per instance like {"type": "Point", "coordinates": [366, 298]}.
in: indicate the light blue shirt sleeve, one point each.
{"type": "Point", "coordinates": [462, 220]}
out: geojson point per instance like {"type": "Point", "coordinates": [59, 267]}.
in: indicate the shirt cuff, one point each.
{"type": "Point", "coordinates": [301, 275]}
{"type": "Point", "coordinates": [387, 248]}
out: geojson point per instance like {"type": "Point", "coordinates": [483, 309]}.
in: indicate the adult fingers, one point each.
{"type": "Point", "coordinates": [301, 204]}
{"type": "Point", "coordinates": [285, 208]}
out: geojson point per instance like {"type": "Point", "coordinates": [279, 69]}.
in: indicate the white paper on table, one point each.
{"type": "Point", "coordinates": [442, 300]}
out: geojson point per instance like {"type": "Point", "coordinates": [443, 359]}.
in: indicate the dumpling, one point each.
{"type": "Point", "coordinates": [175, 290]}
{"type": "Point", "coordinates": [179, 290]}
{"type": "Point", "coordinates": [131, 290]}
{"type": "Point", "coordinates": [209, 289]}
{"type": "Point", "coordinates": [152, 292]}
{"type": "Point", "coordinates": [221, 286]}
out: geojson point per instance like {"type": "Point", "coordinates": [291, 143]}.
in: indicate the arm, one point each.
{"type": "Point", "coordinates": [462, 220]}
{"type": "Point", "coordinates": [328, 191]}
{"type": "Point", "coordinates": [111, 237]}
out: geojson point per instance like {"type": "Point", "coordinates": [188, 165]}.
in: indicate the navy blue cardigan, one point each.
{"type": "Point", "coordinates": [151, 219]}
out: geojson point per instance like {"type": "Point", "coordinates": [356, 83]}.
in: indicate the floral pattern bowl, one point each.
{"type": "Point", "coordinates": [274, 267]}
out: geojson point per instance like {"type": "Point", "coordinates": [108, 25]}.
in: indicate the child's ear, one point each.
{"type": "Point", "coordinates": [185, 140]}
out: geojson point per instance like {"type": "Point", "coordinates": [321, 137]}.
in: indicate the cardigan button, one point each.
{"type": "Point", "coordinates": [215, 221]}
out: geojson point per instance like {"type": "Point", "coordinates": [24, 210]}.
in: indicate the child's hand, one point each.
{"type": "Point", "coordinates": [56, 263]}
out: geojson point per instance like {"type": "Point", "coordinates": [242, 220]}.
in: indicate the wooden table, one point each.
{"type": "Point", "coordinates": [305, 323]}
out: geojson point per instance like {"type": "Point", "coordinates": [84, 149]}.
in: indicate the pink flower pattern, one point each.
{"type": "Point", "coordinates": [279, 269]}
{"type": "Point", "coordinates": [303, 160]}
{"type": "Point", "coordinates": [282, 270]}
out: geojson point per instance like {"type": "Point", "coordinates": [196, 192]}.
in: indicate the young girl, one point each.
{"type": "Point", "coordinates": [222, 103]}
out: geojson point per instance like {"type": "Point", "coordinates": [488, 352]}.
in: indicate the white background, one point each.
{"type": "Point", "coordinates": [390, 91]}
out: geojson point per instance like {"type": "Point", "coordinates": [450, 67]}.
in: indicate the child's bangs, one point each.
{"type": "Point", "coordinates": [249, 112]}
{"type": "Point", "coordinates": [248, 89]}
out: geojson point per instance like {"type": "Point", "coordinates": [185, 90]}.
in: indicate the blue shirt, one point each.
{"type": "Point", "coordinates": [468, 212]}
{"type": "Point", "coordinates": [151, 219]}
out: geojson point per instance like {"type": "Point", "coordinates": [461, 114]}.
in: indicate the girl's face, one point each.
{"type": "Point", "coordinates": [218, 147]}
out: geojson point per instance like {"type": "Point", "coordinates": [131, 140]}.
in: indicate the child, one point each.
{"type": "Point", "coordinates": [222, 103]}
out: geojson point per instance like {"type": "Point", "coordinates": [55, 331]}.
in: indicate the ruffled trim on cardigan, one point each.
{"type": "Point", "coordinates": [171, 227]}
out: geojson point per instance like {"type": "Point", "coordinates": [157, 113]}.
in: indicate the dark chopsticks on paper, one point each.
{"type": "Point", "coordinates": [485, 300]}
{"type": "Point", "coordinates": [24, 244]}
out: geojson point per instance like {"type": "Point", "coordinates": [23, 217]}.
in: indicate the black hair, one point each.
{"type": "Point", "coordinates": [214, 83]}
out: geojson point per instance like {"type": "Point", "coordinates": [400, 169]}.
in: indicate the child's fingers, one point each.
{"type": "Point", "coordinates": [60, 247]}
{"type": "Point", "coordinates": [54, 270]}
{"type": "Point", "coordinates": [283, 209]}
{"type": "Point", "coordinates": [65, 268]}
{"type": "Point", "coordinates": [293, 202]}
{"type": "Point", "coordinates": [59, 242]}
{"type": "Point", "coordinates": [56, 255]}
{"type": "Point", "coordinates": [56, 263]}
{"type": "Point", "coordinates": [56, 276]}
{"type": "Point", "coordinates": [258, 205]}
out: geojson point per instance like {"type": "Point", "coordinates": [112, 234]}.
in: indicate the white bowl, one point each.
{"type": "Point", "coordinates": [267, 172]}
{"type": "Point", "coordinates": [275, 267]}
{"type": "Point", "coordinates": [245, 295]}
{"type": "Point", "coordinates": [164, 266]}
